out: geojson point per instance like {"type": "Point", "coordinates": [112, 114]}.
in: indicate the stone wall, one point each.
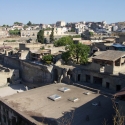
{"type": "Point", "coordinates": [12, 62]}
{"type": "Point", "coordinates": [30, 72]}
{"type": "Point", "coordinates": [33, 73]}
{"type": "Point", "coordinates": [97, 67]}
{"type": "Point", "coordinates": [82, 76]}
{"type": "Point", "coordinates": [106, 78]}
{"type": "Point", "coordinates": [27, 45]}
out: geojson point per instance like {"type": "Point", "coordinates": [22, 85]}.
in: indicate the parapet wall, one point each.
{"type": "Point", "coordinates": [28, 45]}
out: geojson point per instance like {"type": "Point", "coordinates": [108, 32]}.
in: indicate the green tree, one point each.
{"type": "Point", "coordinates": [17, 23]}
{"type": "Point", "coordinates": [5, 25]}
{"type": "Point", "coordinates": [64, 41]}
{"type": "Point", "coordinates": [79, 51]}
{"type": "Point", "coordinates": [52, 36]}
{"type": "Point", "coordinates": [66, 56]}
{"type": "Point", "coordinates": [47, 57]}
{"type": "Point", "coordinates": [40, 36]}
{"type": "Point", "coordinates": [29, 23]}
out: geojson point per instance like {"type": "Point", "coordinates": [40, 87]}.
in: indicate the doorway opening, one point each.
{"type": "Point", "coordinates": [8, 80]}
{"type": "Point", "coordinates": [79, 75]}
{"type": "Point", "coordinates": [107, 85]}
{"type": "Point", "coordinates": [55, 75]}
{"type": "Point", "coordinates": [118, 87]}
{"type": "Point", "coordinates": [13, 120]}
{"type": "Point", "coordinates": [97, 80]}
{"type": "Point", "coordinates": [87, 78]}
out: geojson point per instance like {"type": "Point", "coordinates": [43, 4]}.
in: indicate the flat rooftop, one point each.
{"type": "Point", "coordinates": [36, 104]}
{"type": "Point", "coordinates": [111, 55]}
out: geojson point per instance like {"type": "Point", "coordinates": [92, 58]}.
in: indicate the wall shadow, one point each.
{"type": "Point", "coordinates": [86, 114]}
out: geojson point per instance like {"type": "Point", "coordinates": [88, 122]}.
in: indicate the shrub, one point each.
{"type": "Point", "coordinates": [47, 58]}
{"type": "Point", "coordinates": [14, 32]}
{"type": "Point", "coordinates": [48, 62]}
{"type": "Point", "coordinates": [10, 41]}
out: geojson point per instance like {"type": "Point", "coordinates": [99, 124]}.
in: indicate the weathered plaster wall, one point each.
{"type": "Point", "coordinates": [33, 73]}
{"type": "Point", "coordinates": [11, 74]}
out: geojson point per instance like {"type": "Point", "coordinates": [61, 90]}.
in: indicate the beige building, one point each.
{"type": "Point", "coordinates": [57, 31]}
{"type": "Point", "coordinates": [109, 62]}
{"type": "Point", "coordinates": [60, 23]}
{"type": "Point", "coordinates": [106, 70]}
{"type": "Point", "coordinates": [8, 76]}
{"type": "Point", "coordinates": [29, 33]}
{"type": "Point", "coordinates": [33, 33]}
{"type": "Point", "coordinates": [3, 32]}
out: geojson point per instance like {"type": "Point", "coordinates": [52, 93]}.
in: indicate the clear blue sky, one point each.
{"type": "Point", "coordinates": [50, 11]}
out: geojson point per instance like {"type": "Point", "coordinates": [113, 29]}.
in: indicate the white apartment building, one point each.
{"type": "Point", "coordinates": [80, 27]}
